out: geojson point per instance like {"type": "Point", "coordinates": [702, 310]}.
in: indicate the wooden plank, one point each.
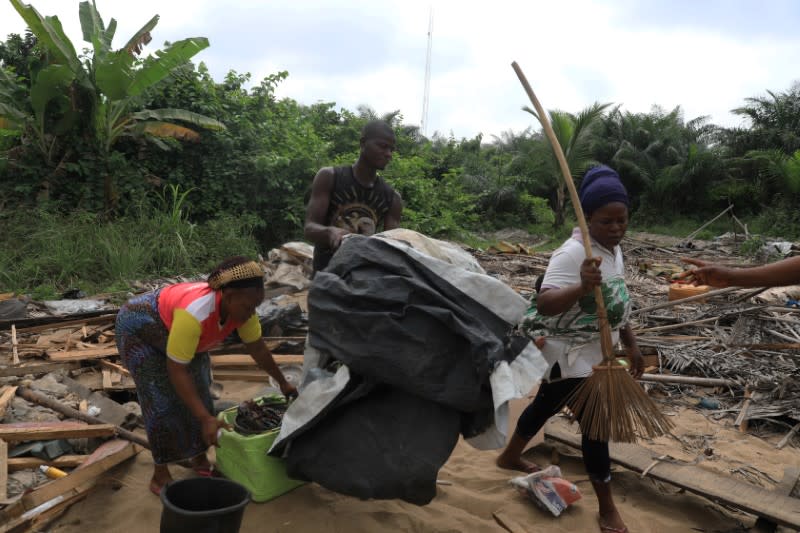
{"type": "Point", "coordinates": [79, 355]}
{"type": "Point", "coordinates": [240, 360]}
{"type": "Point", "coordinates": [644, 339]}
{"type": "Point", "coordinates": [30, 463]}
{"type": "Point", "coordinates": [113, 366]}
{"type": "Point", "coordinates": [14, 347]}
{"type": "Point", "coordinates": [41, 516]}
{"type": "Point", "coordinates": [109, 455]}
{"type": "Point", "coordinates": [37, 369]}
{"type": "Point", "coordinates": [37, 325]}
{"type": "Point", "coordinates": [54, 339]}
{"type": "Point", "coordinates": [122, 450]}
{"type": "Point", "coordinates": [256, 375]}
{"type": "Point", "coordinates": [777, 508]}
{"type": "Point", "coordinates": [288, 359]}
{"type": "Point", "coordinates": [106, 379]}
{"type": "Point", "coordinates": [5, 398]}
{"type": "Point", "coordinates": [107, 449]}
{"type": "Point", "coordinates": [272, 343]}
{"type": "Point", "coordinates": [791, 474]}
{"type": "Point", "coordinates": [688, 380]}
{"type": "Point", "coordinates": [785, 487]}
{"type": "Point", "coordinates": [22, 431]}
{"type": "Point", "coordinates": [232, 360]}
{"type": "Point", "coordinates": [25, 350]}
{"type": "Point", "coordinates": [741, 420]}
{"type": "Point", "coordinates": [769, 346]}
{"type": "Point", "coordinates": [3, 469]}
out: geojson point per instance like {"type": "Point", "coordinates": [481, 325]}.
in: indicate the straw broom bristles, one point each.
{"type": "Point", "coordinates": [609, 404]}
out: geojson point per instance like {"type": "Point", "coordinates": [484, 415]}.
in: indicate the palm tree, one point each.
{"type": "Point", "coordinates": [576, 135]}
{"type": "Point", "coordinates": [647, 147]}
{"type": "Point", "coordinates": [776, 118]}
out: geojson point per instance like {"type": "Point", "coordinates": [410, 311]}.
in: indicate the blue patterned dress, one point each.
{"type": "Point", "coordinates": [174, 433]}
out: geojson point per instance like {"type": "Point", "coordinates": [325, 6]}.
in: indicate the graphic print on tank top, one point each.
{"type": "Point", "coordinates": [359, 209]}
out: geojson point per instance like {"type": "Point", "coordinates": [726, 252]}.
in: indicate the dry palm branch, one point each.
{"type": "Point", "coordinates": [610, 405]}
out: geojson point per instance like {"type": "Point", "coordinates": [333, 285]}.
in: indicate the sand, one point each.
{"type": "Point", "coordinates": [478, 491]}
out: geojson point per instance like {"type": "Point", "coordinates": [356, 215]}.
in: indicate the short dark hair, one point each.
{"type": "Point", "coordinates": [376, 128]}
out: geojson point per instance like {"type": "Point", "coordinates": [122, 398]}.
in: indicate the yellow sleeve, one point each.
{"type": "Point", "coordinates": [184, 336]}
{"type": "Point", "coordinates": [250, 331]}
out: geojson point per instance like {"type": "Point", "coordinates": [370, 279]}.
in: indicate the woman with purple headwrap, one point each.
{"type": "Point", "coordinates": [564, 312]}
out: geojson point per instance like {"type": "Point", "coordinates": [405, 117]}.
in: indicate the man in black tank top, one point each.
{"type": "Point", "coordinates": [353, 199]}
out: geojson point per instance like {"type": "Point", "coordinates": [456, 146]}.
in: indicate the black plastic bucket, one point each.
{"type": "Point", "coordinates": [203, 505]}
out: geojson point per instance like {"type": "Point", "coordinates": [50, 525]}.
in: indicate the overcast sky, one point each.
{"type": "Point", "coordinates": [705, 55]}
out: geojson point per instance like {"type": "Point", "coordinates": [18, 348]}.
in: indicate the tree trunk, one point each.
{"type": "Point", "coordinates": [560, 207]}
{"type": "Point", "coordinates": [110, 196]}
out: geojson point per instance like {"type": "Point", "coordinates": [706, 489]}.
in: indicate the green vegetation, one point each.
{"type": "Point", "coordinates": [47, 252]}
{"type": "Point", "coordinates": [116, 166]}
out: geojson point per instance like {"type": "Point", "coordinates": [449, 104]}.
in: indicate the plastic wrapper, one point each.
{"type": "Point", "coordinates": [548, 490]}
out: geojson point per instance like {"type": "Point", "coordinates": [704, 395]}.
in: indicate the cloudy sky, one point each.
{"type": "Point", "coordinates": [705, 55]}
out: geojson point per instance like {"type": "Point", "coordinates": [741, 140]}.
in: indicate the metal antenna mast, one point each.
{"type": "Point", "coordinates": [426, 94]}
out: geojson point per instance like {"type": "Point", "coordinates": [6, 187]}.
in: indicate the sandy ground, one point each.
{"type": "Point", "coordinates": [478, 489]}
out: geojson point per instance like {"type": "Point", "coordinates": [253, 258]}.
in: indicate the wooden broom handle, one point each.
{"type": "Point", "coordinates": [602, 316]}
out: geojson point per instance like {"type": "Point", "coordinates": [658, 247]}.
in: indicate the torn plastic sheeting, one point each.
{"type": "Point", "coordinates": [291, 275]}
{"type": "Point", "coordinates": [405, 326]}
{"type": "Point", "coordinates": [300, 251]}
{"type": "Point", "coordinates": [72, 307]}
{"type": "Point", "coordinates": [379, 309]}
{"type": "Point", "coordinates": [510, 381]}
{"type": "Point", "coordinates": [441, 250]}
{"type": "Point", "coordinates": [12, 309]}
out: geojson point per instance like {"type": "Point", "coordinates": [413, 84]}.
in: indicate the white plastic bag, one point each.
{"type": "Point", "coordinates": [548, 490]}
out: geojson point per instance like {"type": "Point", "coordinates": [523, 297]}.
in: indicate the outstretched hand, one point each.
{"type": "Point", "coordinates": [706, 273]}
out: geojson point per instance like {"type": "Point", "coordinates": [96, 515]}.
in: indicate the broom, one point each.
{"type": "Point", "coordinates": [610, 405]}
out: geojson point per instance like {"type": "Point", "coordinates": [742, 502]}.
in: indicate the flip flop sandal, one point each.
{"type": "Point", "coordinates": [611, 529]}
{"type": "Point", "coordinates": [203, 471]}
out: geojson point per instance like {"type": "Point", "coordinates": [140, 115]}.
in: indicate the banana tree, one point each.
{"type": "Point", "coordinates": [107, 85]}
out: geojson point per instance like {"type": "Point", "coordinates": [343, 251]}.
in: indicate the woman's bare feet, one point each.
{"type": "Point", "coordinates": [609, 519]}
{"type": "Point", "coordinates": [612, 523]}
{"type": "Point", "coordinates": [161, 477]}
{"type": "Point", "coordinates": [516, 463]}
{"type": "Point", "coordinates": [511, 458]}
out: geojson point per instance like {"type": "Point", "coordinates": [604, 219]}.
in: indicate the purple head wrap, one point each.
{"type": "Point", "coordinates": [600, 186]}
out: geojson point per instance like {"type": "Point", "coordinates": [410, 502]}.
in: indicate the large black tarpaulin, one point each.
{"type": "Point", "coordinates": [418, 348]}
